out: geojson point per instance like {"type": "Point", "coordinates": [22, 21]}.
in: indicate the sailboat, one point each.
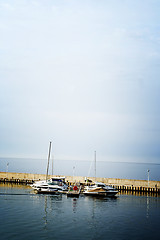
{"type": "Point", "coordinates": [50, 186]}
{"type": "Point", "coordinates": [99, 188]}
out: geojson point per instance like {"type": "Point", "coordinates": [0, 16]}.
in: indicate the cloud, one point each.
{"type": "Point", "coordinates": [83, 73]}
{"type": "Point", "coordinates": [6, 6]}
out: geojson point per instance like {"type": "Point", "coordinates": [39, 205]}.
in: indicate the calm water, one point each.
{"type": "Point", "coordinates": [25, 215]}
{"type": "Point", "coordinates": [83, 168]}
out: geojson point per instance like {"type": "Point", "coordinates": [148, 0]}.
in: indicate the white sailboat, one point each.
{"type": "Point", "coordinates": [99, 188]}
{"type": "Point", "coordinates": [51, 186]}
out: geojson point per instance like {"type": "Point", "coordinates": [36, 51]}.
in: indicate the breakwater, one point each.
{"type": "Point", "coordinates": [120, 184]}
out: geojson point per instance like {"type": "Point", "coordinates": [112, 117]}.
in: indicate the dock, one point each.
{"type": "Point", "coordinates": [74, 192]}
{"type": "Point", "coordinates": [125, 185]}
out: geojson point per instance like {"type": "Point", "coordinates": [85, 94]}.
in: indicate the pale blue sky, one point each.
{"type": "Point", "coordinates": [82, 74]}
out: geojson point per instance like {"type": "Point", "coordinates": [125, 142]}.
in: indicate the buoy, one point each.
{"type": "Point", "coordinates": [75, 188]}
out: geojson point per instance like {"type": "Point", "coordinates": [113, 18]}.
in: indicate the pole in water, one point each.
{"type": "Point", "coordinates": [48, 159]}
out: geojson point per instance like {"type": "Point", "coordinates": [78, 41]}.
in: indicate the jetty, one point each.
{"type": "Point", "coordinates": [128, 185]}
{"type": "Point", "coordinates": [74, 191]}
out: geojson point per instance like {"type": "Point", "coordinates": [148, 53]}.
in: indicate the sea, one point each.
{"type": "Point", "coordinates": [85, 168]}
{"type": "Point", "coordinates": [25, 215]}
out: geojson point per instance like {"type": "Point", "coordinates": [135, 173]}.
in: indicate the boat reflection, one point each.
{"type": "Point", "coordinates": [49, 205]}
{"type": "Point", "coordinates": [74, 204]}
{"type": "Point", "coordinates": [14, 185]}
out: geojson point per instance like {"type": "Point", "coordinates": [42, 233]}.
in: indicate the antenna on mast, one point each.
{"type": "Point", "coordinates": [52, 163]}
{"type": "Point", "coordinates": [49, 153]}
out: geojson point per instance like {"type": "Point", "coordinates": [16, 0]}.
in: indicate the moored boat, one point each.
{"type": "Point", "coordinates": [50, 185]}
{"type": "Point", "coordinates": [55, 183]}
{"type": "Point", "coordinates": [100, 189]}
{"type": "Point", "coordinates": [74, 191]}
{"type": "Point", "coordinates": [45, 190]}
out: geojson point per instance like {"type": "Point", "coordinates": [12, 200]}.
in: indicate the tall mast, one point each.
{"type": "Point", "coordinates": [49, 153]}
{"type": "Point", "coordinates": [52, 163]}
{"type": "Point", "coordinates": [95, 164]}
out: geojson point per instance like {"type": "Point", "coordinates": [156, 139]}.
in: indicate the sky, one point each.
{"type": "Point", "coordinates": [84, 74]}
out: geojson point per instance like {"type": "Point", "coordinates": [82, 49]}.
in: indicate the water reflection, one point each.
{"type": "Point", "coordinates": [34, 216]}
{"type": "Point", "coordinates": [45, 212]}
{"type": "Point", "coordinates": [74, 204]}
{"type": "Point", "coordinates": [15, 185]}
{"type": "Point", "coordinates": [147, 211]}
{"type": "Point", "coordinates": [100, 198]}
{"type": "Point", "coordinates": [49, 206]}
{"type": "Point", "coordinates": [136, 193]}
{"type": "Point", "coordinates": [145, 199]}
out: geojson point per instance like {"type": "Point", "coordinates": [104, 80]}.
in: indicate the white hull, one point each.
{"type": "Point", "coordinates": [45, 191]}
{"type": "Point", "coordinates": [54, 184]}
{"type": "Point", "coordinates": [106, 194]}
{"type": "Point", "coordinates": [100, 189]}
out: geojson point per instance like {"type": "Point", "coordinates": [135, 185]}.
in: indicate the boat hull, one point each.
{"type": "Point", "coordinates": [39, 191]}
{"type": "Point", "coordinates": [73, 194]}
{"type": "Point", "coordinates": [102, 194]}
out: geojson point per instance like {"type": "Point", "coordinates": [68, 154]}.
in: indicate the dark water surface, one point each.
{"type": "Point", "coordinates": [25, 215]}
